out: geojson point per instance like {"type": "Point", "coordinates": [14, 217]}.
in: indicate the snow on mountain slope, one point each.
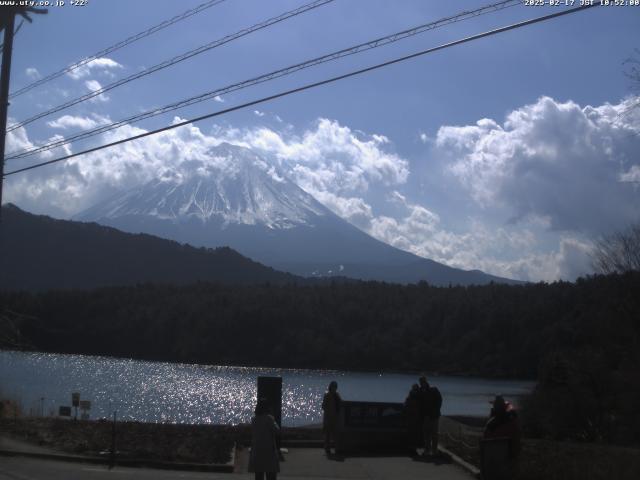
{"type": "Point", "coordinates": [236, 186]}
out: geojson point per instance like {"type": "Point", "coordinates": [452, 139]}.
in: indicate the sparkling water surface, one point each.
{"type": "Point", "coordinates": [189, 393]}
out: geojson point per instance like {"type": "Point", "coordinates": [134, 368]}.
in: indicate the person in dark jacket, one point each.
{"type": "Point", "coordinates": [264, 458]}
{"type": "Point", "coordinates": [413, 413]}
{"type": "Point", "coordinates": [331, 409]}
{"type": "Point", "coordinates": [431, 405]}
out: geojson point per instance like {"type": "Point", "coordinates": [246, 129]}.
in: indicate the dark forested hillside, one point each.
{"type": "Point", "coordinates": [39, 252]}
{"type": "Point", "coordinates": [488, 330]}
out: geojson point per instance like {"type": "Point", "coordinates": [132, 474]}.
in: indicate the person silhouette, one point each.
{"type": "Point", "coordinates": [496, 460]}
{"type": "Point", "coordinates": [264, 458]}
{"type": "Point", "coordinates": [413, 414]}
{"type": "Point", "coordinates": [431, 405]}
{"type": "Point", "coordinates": [331, 408]}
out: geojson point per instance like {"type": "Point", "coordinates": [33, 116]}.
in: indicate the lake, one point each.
{"type": "Point", "coordinates": [187, 393]}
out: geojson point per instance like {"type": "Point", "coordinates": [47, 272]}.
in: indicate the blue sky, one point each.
{"type": "Point", "coordinates": [509, 154]}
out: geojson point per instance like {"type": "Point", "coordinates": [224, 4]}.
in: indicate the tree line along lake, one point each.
{"type": "Point", "coordinates": [205, 394]}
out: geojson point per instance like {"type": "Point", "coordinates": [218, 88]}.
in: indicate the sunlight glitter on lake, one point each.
{"type": "Point", "coordinates": [190, 393]}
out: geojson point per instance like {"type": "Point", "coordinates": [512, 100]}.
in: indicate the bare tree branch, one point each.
{"type": "Point", "coordinates": [618, 252]}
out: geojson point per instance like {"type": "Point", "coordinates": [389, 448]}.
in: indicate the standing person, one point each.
{"type": "Point", "coordinates": [264, 458]}
{"type": "Point", "coordinates": [331, 408]}
{"type": "Point", "coordinates": [413, 413]}
{"type": "Point", "coordinates": [502, 425]}
{"type": "Point", "coordinates": [431, 405]}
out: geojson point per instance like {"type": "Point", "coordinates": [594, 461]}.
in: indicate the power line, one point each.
{"type": "Point", "coordinates": [379, 42]}
{"type": "Point", "coordinates": [177, 59]}
{"type": "Point", "coordinates": [117, 46]}
{"type": "Point", "coordinates": [311, 85]}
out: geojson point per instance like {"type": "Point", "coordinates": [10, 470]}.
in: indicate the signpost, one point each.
{"type": "Point", "coordinates": [270, 389]}
{"type": "Point", "coordinates": [75, 401]}
{"type": "Point", "coordinates": [112, 457]}
{"type": "Point", "coordinates": [85, 406]}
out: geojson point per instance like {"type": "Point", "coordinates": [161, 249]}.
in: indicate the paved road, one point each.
{"type": "Point", "coordinates": [312, 463]}
{"type": "Point", "coordinates": [17, 468]}
{"type": "Point", "coordinates": [9, 443]}
{"type": "Point", "coordinates": [299, 464]}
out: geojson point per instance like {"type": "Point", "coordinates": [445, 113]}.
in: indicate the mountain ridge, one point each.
{"type": "Point", "coordinates": [38, 252]}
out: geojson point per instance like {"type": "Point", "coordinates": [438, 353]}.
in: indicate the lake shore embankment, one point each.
{"type": "Point", "coordinates": [213, 444]}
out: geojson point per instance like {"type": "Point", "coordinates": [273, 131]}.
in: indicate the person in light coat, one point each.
{"type": "Point", "coordinates": [264, 458]}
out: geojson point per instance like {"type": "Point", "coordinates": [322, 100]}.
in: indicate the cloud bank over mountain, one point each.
{"type": "Point", "coordinates": [573, 167]}
{"type": "Point", "coordinates": [533, 190]}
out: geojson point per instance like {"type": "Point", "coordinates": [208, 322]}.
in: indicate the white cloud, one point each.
{"type": "Point", "coordinates": [504, 251]}
{"type": "Point", "coordinates": [553, 160]}
{"type": "Point", "coordinates": [424, 138]}
{"type": "Point", "coordinates": [103, 65]}
{"type": "Point", "coordinates": [218, 98]}
{"type": "Point", "coordinates": [94, 86]}
{"type": "Point", "coordinates": [47, 191]}
{"type": "Point", "coordinates": [68, 187]}
{"type": "Point", "coordinates": [258, 113]}
{"type": "Point", "coordinates": [380, 139]}
{"type": "Point", "coordinates": [84, 123]}
{"type": "Point", "coordinates": [573, 258]}
{"type": "Point", "coordinates": [331, 162]}
{"type": "Point", "coordinates": [32, 73]}
{"type": "Point", "coordinates": [631, 176]}
{"type": "Point", "coordinates": [17, 140]}
{"type": "Point", "coordinates": [354, 209]}
{"type": "Point", "coordinates": [332, 157]}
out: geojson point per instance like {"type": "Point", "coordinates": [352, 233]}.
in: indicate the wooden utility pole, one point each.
{"type": "Point", "coordinates": [7, 22]}
{"type": "Point", "coordinates": [5, 74]}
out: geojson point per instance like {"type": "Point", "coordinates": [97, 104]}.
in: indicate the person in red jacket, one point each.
{"type": "Point", "coordinates": [503, 425]}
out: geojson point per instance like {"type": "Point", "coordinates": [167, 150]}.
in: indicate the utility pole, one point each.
{"type": "Point", "coordinates": [5, 74]}
{"type": "Point", "coordinates": [112, 456]}
{"type": "Point", "coordinates": [7, 22]}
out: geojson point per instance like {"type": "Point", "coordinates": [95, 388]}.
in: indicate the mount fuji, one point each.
{"type": "Point", "coordinates": [237, 198]}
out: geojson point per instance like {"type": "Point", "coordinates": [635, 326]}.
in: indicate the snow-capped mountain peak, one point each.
{"type": "Point", "coordinates": [233, 185]}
